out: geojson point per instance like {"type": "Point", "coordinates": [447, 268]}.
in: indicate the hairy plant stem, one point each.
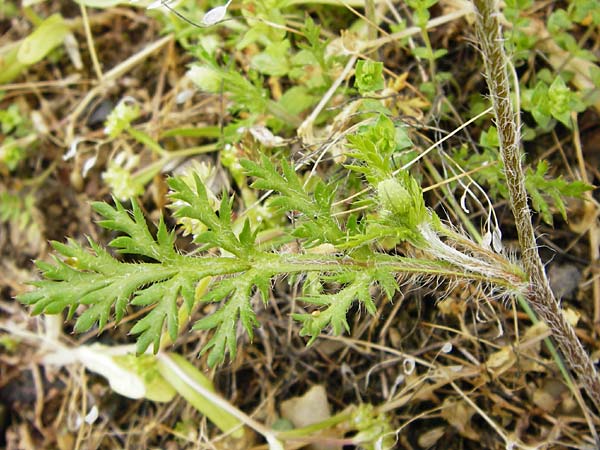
{"type": "Point", "coordinates": [539, 294]}
{"type": "Point", "coordinates": [448, 264]}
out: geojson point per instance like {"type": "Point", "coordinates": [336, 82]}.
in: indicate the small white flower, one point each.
{"type": "Point", "coordinates": [215, 15]}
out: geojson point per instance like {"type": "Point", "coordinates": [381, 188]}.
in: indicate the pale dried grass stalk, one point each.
{"type": "Point", "coordinates": [539, 294]}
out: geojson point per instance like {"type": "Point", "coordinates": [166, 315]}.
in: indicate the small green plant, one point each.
{"type": "Point", "coordinates": [240, 267]}
{"type": "Point", "coordinates": [554, 101]}
{"type": "Point", "coordinates": [335, 208]}
{"type": "Point", "coordinates": [18, 136]}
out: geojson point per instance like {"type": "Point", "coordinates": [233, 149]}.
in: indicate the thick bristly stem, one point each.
{"type": "Point", "coordinates": [540, 295]}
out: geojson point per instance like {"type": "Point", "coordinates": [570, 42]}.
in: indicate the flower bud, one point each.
{"type": "Point", "coordinates": [393, 196]}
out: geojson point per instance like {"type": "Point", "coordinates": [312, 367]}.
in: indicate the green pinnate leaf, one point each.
{"type": "Point", "coordinates": [373, 148]}
{"type": "Point", "coordinates": [91, 276]}
{"type": "Point", "coordinates": [386, 281]}
{"type": "Point", "coordinates": [542, 189]}
{"type": "Point", "coordinates": [137, 239]}
{"type": "Point", "coordinates": [236, 293]}
{"type": "Point", "coordinates": [316, 222]}
{"type": "Point", "coordinates": [195, 204]}
{"type": "Point", "coordinates": [336, 307]}
{"type": "Point", "coordinates": [363, 294]}
{"type": "Point", "coordinates": [165, 296]}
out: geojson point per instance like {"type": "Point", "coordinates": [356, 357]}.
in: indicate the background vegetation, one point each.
{"type": "Point", "coordinates": [328, 173]}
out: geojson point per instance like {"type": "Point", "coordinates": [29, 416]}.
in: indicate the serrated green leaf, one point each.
{"type": "Point", "coordinates": [541, 189]}
{"type": "Point", "coordinates": [373, 148]}
{"type": "Point", "coordinates": [316, 222]}
{"type": "Point", "coordinates": [195, 204]}
{"type": "Point", "coordinates": [236, 306]}
{"type": "Point", "coordinates": [369, 76]}
{"type": "Point", "coordinates": [93, 277]}
{"type": "Point", "coordinates": [46, 37]}
{"type": "Point", "coordinates": [336, 308]}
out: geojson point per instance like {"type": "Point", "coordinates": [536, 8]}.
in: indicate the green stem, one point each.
{"type": "Point", "coordinates": [302, 263]}
{"type": "Point", "coordinates": [146, 140]}
{"type": "Point", "coordinates": [431, 59]}
{"type": "Point", "coordinates": [311, 429]}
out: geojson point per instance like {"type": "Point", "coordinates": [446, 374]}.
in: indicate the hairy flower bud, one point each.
{"type": "Point", "coordinates": [393, 196]}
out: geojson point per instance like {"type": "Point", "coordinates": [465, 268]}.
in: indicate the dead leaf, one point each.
{"type": "Point", "coordinates": [430, 438]}
{"type": "Point", "coordinates": [312, 407]}
{"type": "Point", "coordinates": [458, 414]}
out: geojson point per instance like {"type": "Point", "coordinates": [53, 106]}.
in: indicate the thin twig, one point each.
{"type": "Point", "coordinates": [90, 40]}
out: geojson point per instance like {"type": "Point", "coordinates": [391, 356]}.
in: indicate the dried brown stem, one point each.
{"type": "Point", "coordinates": [540, 295]}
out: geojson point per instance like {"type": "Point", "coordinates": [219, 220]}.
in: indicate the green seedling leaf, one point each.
{"type": "Point", "coordinates": [546, 192]}
{"type": "Point", "coordinates": [47, 36]}
{"type": "Point", "coordinates": [10, 66]}
{"type": "Point", "coordinates": [179, 372]}
{"type": "Point", "coordinates": [274, 59]}
{"type": "Point", "coordinates": [563, 101]}
{"type": "Point", "coordinates": [369, 76]}
{"type": "Point", "coordinates": [205, 78]}
{"type": "Point", "coordinates": [146, 368]}
{"type": "Point", "coordinates": [98, 359]}
{"type": "Point", "coordinates": [373, 148]}
{"type": "Point", "coordinates": [297, 99]}
{"type": "Point", "coordinates": [489, 138]}
{"type": "Point", "coordinates": [558, 21]}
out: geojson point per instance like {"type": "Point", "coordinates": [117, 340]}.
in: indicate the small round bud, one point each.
{"type": "Point", "coordinates": [393, 196]}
